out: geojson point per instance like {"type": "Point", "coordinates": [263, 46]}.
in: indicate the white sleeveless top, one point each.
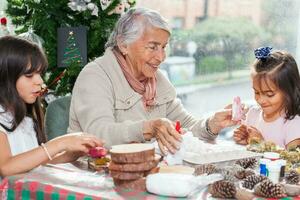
{"type": "Point", "coordinates": [23, 138]}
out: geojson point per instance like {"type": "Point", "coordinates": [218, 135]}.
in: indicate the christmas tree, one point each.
{"type": "Point", "coordinates": [46, 16]}
{"type": "Point", "coordinates": [72, 53]}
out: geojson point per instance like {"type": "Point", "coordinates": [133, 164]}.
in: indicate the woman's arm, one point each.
{"type": "Point", "coordinates": [93, 109]}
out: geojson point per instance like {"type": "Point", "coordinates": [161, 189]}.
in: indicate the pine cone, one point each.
{"type": "Point", "coordinates": [228, 174]}
{"type": "Point", "coordinates": [269, 190]}
{"type": "Point", "coordinates": [292, 177]}
{"type": "Point", "coordinates": [206, 168]}
{"type": "Point", "coordinates": [242, 174]}
{"type": "Point", "coordinates": [247, 163]}
{"type": "Point", "coordinates": [252, 180]}
{"type": "Point", "coordinates": [222, 189]}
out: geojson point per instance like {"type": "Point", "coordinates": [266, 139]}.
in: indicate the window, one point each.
{"type": "Point", "coordinates": [224, 39]}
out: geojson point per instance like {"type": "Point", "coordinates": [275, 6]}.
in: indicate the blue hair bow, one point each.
{"type": "Point", "coordinates": [262, 53]}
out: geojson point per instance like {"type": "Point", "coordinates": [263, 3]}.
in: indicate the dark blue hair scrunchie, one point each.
{"type": "Point", "coordinates": [262, 53]}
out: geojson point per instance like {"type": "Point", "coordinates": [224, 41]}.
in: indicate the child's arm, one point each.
{"type": "Point", "coordinates": [23, 162]}
{"type": "Point", "coordinates": [26, 161]}
{"type": "Point", "coordinates": [65, 157]}
{"type": "Point", "coordinates": [293, 144]}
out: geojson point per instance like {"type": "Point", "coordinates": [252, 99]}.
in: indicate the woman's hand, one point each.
{"type": "Point", "coordinates": [163, 130]}
{"type": "Point", "coordinates": [223, 118]}
{"type": "Point", "coordinates": [78, 142]}
{"type": "Point", "coordinates": [240, 135]}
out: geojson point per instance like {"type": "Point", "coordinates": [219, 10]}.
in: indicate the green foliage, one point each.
{"type": "Point", "coordinates": [229, 38]}
{"type": "Point", "coordinates": [212, 64]}
{"type": "Point", "coordinates": [234, 34]}
{"type": "Point", "coordinates": [48, 15]}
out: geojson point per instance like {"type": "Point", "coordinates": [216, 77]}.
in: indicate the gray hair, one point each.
{"type": "Point", "coordinates": [133, 23]}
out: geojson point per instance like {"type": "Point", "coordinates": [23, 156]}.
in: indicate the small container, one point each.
{"type": "Point", "coordinates": [263, 166]}
{"type": "Point", "coordinates": [271, 156]}
{"type": "Point", "coordinates": [282, 164]}
{"type": "Point", "coordinates": [273, 171]}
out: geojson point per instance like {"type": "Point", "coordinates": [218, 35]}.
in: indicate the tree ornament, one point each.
{"type": "Point", "coordinates": [3, 29]}
{"type": "Point", "coordinates": [105, 3]}
{"type": "Point", "coordinates": [252, 180]}
{"type": "Point", "coordinates": [77, 5]}
{"type": "Point", "coordinates": [222, 189]}
{"type": "Point", "coordinates": [32, 37]}
{"type": "Point", "coordinates": [3, 21]}
{"type": "Point", "coordinates": [292, 177]}
{"type": "Point", "coordinates": [72, 53]}
{"type": "Point", "coordinates": [95, 11]}
{"type": "Point", "coordinates": [83, 5]}
{"type": "Point", "coordinates": [269, 190]}
{"type": "Point", "coordinates": [91, 6]}
{"type": "Point", "coordinates": [120, 8]}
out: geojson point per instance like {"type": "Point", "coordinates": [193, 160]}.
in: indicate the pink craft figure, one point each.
{"type": "Point", "coordinates": [237, 111]}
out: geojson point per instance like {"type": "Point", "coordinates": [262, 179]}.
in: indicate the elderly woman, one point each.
{"type": "Point", "coordinates": [123, 97]}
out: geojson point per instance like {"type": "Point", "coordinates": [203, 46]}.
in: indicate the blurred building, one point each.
{"type": "Point", "coordinates": [186, 13]}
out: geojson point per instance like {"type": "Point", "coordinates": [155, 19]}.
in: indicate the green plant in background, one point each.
{"type": "Point", "coordinates": [222, 41]}
{"type": "Point", "coordinates": [212, 64]}
{"type": "Point", "coordinates": [45, 16]}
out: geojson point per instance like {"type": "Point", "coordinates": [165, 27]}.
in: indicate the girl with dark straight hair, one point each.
{"type": "Point", "coordinates": [23, 143]}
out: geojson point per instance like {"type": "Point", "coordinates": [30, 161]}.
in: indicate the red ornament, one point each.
{"type": "Point", "coordinates": [97, 152]}
{"type": "Point", "coordinates": [3, 21]}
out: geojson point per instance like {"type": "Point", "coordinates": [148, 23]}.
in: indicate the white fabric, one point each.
{"type": "Point", "coordinates": [177, 158]}
{"type": "Point", "coordinates": [178, 185]}
{"type": "Point", "coordinates": [23, 138]}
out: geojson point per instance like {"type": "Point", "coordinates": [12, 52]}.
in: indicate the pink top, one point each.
{"type": "Point", "coordinates": [280, 131]}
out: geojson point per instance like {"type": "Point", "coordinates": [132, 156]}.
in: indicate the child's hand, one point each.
{"type": "Point", "coordinates": [81, 142]}
{"type": "Point", "coordinates": [240, 135]}
{"type": "Point", "coordinates": [253, 133]}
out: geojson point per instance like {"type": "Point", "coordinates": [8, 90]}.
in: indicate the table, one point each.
{"type": "Point", "coordinates": [74, 181]}
{"type": "Point", "coordinates": [66, 181]}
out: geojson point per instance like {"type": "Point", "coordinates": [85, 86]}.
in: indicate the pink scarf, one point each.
{"type": "Point", "coordinates": [146, 87]}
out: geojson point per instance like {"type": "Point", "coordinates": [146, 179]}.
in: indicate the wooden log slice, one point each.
{"type": "Point", "coordinates": [132, 175]}
{"type": "Point", "coordinates": [132, 153]}
{"type": "Point", "coordinates": [138, 184]}
{"type": "Point", "coordinates": [134, 167]}
{"type": "Point", "coordinates": [126, 175]}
